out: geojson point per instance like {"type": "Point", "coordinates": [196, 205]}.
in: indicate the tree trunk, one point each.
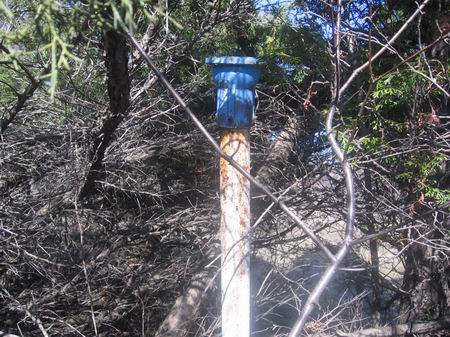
{"type": "Point", "coordinates": [186, 308]}
{"type": "Point", "coordinates": [116, 62]}
{"type": "Point", "coordinates": [374, 258]}
{"type": "Point", "coordinates": [426, 280]}
{"type": "Point", "coordinates": [280, 151]}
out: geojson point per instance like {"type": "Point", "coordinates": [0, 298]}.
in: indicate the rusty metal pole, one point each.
{"type": "Point", "coordinates": [234, 230]}
{"type": "Point", "coordinates": [235, 79]}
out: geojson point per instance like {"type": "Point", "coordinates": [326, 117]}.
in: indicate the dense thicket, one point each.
{"type": "Point", "coordinates": [109, 208]}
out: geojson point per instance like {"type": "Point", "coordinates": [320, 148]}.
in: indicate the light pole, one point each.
{"type": "Point", "coordinates": [235, 79]}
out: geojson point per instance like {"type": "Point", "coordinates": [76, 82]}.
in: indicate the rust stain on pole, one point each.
{"type": "Point", "coordinates": [235, 78]}
{"type": "Point", "coordinates": [234, 232]}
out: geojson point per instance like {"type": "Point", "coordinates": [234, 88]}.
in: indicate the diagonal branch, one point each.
{"type": "Point", "coordinates": [22, 98]}
{"type": "Point", "coordinates": [217, 148]}
{"type": "Point", "coordinates": [383, 49]}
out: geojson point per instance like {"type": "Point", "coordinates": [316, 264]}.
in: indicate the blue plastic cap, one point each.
{"type": "Point", "coordinates": [231, 60]}
{"type": "Point", "coordinates": [235, 78]}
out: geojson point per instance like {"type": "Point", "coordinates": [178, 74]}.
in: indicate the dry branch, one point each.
{"type": "Point", "coordinates": [22, 100]}
{"type": "Point", "coordinates": [187, 307]}
{"type": "Point", "coordinates": [5, 334]}
{"type": "Point", "coordinates": [280, 151]}
{"type": "Point", "coordinates": [401, 329]}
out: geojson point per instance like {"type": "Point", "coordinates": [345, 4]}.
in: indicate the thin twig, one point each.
{"type": "Point", "coordinates": [384, 48]}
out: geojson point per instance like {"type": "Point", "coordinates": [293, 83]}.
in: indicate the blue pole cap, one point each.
{"type": "Point", "coordinates": [235, 78]}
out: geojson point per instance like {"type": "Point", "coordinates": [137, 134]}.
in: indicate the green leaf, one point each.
{"type": "Point", "coordinates": [4, 10]}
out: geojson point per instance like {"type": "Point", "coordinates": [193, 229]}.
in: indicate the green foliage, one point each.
{"type": "Point", "coordinates": [371, 144]}
{"type": "Point", "coordinates": [420, 171]}
{"type": "Point", "coordinates": [124, 13]}
{"type": "Point", "coordinates": [8, 88]}
{"type": "Point", "coordinates": [189, 18]}
{"type": "Point", "coordinates": [441, 196]}
{"type": "Point", "coordinates": [378, 123]}
{"type": "Point", "coordinates": [220, 41]}
{"type": "Point", "coordinates": [343, 140]}
{"type": "Point", "coordinates": [4, 10]}
{"type": "Point", "coordinates": [47, 31]}
{"type": "Point", "coordinates": [43, 34]}
{"type": "Point", "coordinates": [430, 167]}
{"type": "Point", "coordinates": [394, 91]}
{"type": "Point", "coordinates": [50, 18]}
{"type": "Point", "coordinates": [297, 51]}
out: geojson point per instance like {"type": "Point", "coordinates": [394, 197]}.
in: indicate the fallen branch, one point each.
{"type": "Point", "coordinates": [401, 329]}
{"type": "Point", "coordinates": [5, 334]}
{"type": "Point", "coordinates": [187, 307]}
{"type": "Point", "coordinates": [280, 151]}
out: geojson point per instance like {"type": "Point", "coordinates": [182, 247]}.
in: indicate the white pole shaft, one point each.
{"type": "Point", "coordinates": [234, 230]}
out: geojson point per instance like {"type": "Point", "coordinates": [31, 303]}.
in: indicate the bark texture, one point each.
{"type": "Point", "coordinates": [402, 329]}
{"type": "Point", "coordinates": [426, 281]}
{"type": "Point", "coordinates": [116, 62]}
{"type": "Point", "coordinates": [187, 307]}
{"type": "Point", "coordinates": [280, 152]}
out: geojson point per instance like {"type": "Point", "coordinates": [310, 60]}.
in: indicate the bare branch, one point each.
{"type": "Point", "coordinates": [383, 49]}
